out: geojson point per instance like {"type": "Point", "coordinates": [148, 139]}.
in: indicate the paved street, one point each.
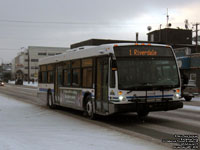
{"type": "Point", "coordinates": [157, 128]}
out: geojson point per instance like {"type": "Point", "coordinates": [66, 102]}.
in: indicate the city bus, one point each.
{"type": "Point", "coordinates": [112, 78]}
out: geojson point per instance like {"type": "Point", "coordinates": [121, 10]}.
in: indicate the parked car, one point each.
{"type": "Point", "coordinates": [1, 83]}
{"type": "Point", "coordinates": [188, 91]}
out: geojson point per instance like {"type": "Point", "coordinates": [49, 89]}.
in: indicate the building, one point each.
{"type": "Point", "coordinates": [5, 71]}
{"type": "Point", "coordinates": [97, 42]}
{"type": "Point", "coordinates": [25, 64]}
{"type": "Point", "coordinates": [171, 36]}
{"type": "Point", "coordinates": [177, 38]}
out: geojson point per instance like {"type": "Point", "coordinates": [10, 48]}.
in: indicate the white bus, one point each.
{"type": "Point", "coordinates": [112, 78]}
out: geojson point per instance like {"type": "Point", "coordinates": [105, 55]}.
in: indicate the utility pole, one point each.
{"type": "Point", "coordinates": [137, 35]}
{"type": "Point", "coordinates": [196, 39]}
{"type": "Point", "coordinates": [167, 19]}
{"type": "Point", "coordinates": [28, 66]}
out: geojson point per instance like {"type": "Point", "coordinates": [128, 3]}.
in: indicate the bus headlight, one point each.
{"type": "Point", "coordinates": [177, 96]}
{"type": "Point", "coordinates": [122, 98]}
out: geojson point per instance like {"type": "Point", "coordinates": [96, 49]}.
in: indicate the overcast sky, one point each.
{"type": "Point", "coordinates": [59, 23]}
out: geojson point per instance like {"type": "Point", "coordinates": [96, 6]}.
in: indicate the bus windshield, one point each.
{"type": "Point", "coordinates": [147, 72]}
{"type": "Point", "coordinates": [136, 73]}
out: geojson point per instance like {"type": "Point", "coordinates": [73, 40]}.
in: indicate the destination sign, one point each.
{"type": "Point", "coordinates": [142, 51]}
{"type": "Point", "coordinates": [137, 52]}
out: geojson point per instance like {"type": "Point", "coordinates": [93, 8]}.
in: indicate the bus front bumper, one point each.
{"type": "Point", "coordinates": [147, 106]}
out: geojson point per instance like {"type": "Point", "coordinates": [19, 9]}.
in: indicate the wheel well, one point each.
{"type": "Point", "coordinates": [85, 99]}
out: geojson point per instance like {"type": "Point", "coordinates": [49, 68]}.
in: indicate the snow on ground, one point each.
{"type": "Point", "coordinates": [25, 126]}
{"type": "Point", "coordinates": [193, 108]}
{"type": "Point", "coordinates": [35, 84]}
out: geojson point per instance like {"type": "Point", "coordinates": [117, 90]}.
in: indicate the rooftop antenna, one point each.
{"type": "Point", "coordinates": [167, 18]}
{"type": "Point", "coordinates": [186, 24]}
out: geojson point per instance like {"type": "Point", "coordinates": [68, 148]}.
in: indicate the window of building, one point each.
{"type": "Point", "coordinates": [51, 54]}
{"type": "Point", "coordinates": [42, 54]}
{"type": "Point", "coordinates": [152, 37]}
{"type": "Point", "coordinates": [193, 76]}
{"type": "Point", "coordinates": [34, 67]}
{"type": "Point", "coordinates": [34, 60]}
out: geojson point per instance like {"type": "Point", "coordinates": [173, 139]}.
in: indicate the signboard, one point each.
{"type": "Point", "coordinates": [71, 97]}
{"type": "Point", "coordinates": [142, 51]}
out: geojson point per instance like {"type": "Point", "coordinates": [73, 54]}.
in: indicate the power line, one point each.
{"type": "Point", "coordinates": [71, 22]}
{"type": "Point", "coordinates": [8, 49]}
{"type": "Point", "coordinates": [54, 22]}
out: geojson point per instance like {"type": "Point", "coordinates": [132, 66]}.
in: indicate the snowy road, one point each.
{"type": "Point", "coordinates": [158, 126]}
{"type": "Point", "coordinates": [25, 126]}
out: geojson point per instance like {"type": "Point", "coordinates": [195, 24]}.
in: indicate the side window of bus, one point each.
{"type": "Point", "coordinates": [40, 77]}
{"type": "Point", "coordinates": [50, 73]}
{"type": "Point", "coordinates": [67, 73]}
{"type": "Point", "coordinates": [76, 73]}
{"type": "Point", "coordinates": [87, 65]}
{"type": "Point", "coordinates": [60, 75]}
{"type": "Point", "coordinates": [67, 77]}
{"type": "Point", "coordinates": [50, 77]}
{"type": "Point", "coordinates": [43, 74]}
{"type": "Point", "coordinates": [44, 77]}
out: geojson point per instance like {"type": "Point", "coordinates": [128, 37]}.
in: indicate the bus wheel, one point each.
{"type": "Point", "coordinates": [188, 98]}
{"type": "Point", "coordinates": [50, 101]}
{"type": "Point", "coordinates": [89, 108]}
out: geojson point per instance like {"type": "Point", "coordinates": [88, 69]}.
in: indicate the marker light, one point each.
{"type": "Point", "coordinates": [178, 91]}
{"type": "Point", "coordinates": [120, 92]}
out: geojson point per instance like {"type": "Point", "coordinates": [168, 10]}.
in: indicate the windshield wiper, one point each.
{"type": "Point", "coordinates": [140, 86]}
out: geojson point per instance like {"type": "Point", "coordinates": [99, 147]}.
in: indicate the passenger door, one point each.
{"type": "Point", "coordinates": [101, 95]}
{"type": "Point", "coordinates": [58, 82]}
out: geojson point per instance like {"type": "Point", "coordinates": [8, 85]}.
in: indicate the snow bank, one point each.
{"type": "Point", "coordinates": [35, 84]}
{"type": "Point", "coordinates": [27, 127]}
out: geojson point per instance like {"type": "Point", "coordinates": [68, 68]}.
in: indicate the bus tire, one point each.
{"type": "Point", "coordinates": [50, 103]}
{"type": "Point", "coordinates": [188, 98]}
{"type": "Point", "coordinates": [89, 108]}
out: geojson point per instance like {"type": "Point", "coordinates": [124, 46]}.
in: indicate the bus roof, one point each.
{"type": "Point", "coordinates": [88, 51]}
